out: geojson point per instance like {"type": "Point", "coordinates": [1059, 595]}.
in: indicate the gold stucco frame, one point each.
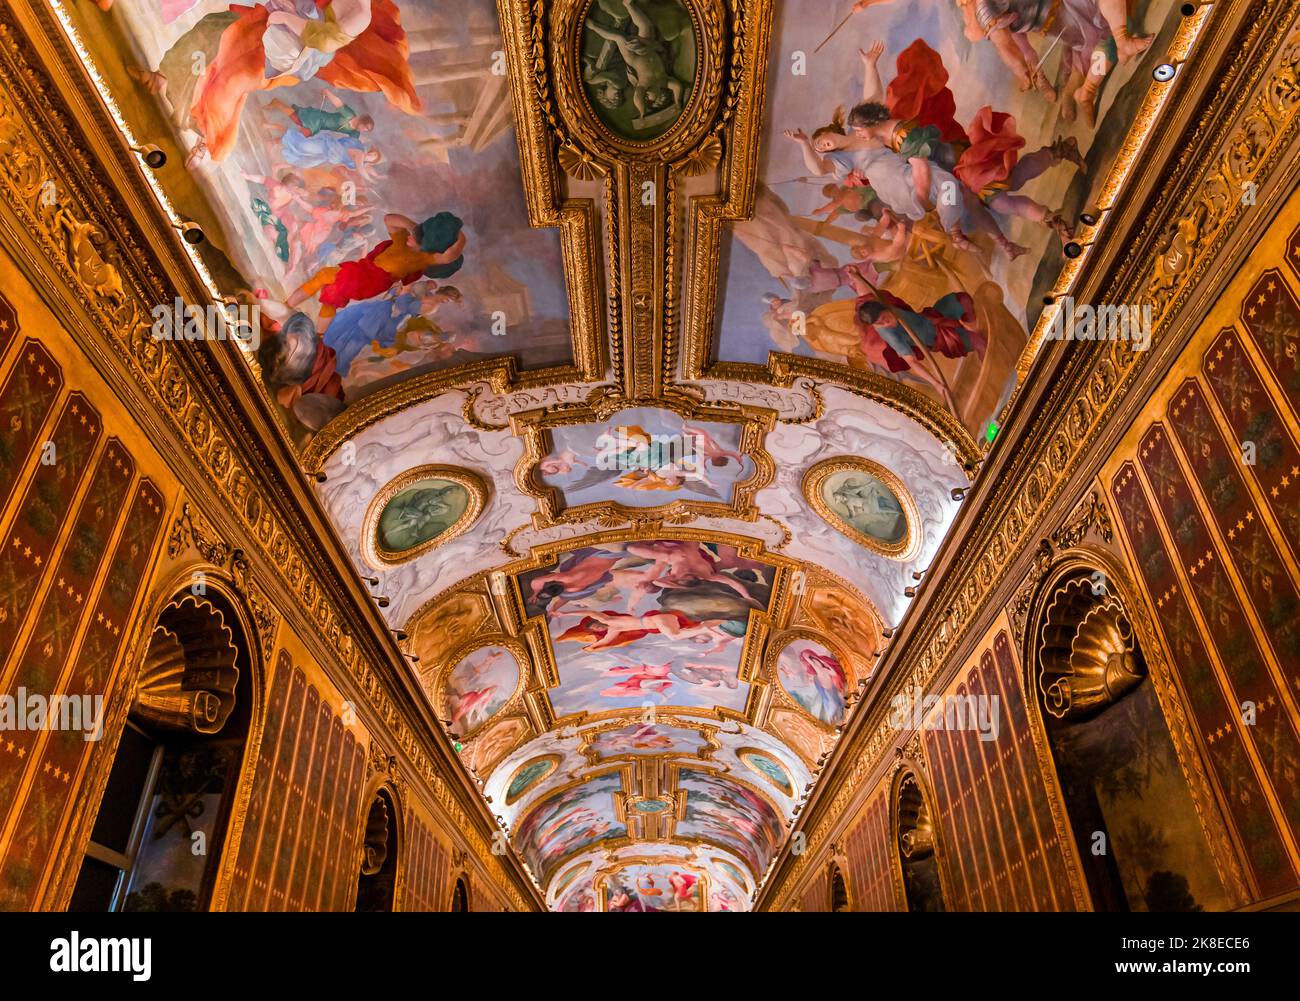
{"type": "Point", "coordinates": [380, 558]}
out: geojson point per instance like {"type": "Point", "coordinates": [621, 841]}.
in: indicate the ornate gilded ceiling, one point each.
{"type": "Point", "coordinates": [640, 350]}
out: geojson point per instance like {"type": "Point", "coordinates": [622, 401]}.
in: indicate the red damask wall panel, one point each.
{"type": "Point", "coordinates": [1206, 526]}
{"type": "Point", "coordinates": [300, 843]}
{"type": "Point", "coordinates": [1043, 851]}
{"type": "Point", "coordinates": [1214, 713]}
{"type": "Point", "coordinates": [998, 845]}
{"type": "Point", "coordinates": [34, 531]}
{"type": "Point", "coordinates": [57, 763]}
{"type": "Point", "coordinates": [1207, 494]}
{"type": "Point", "coordinates": [1253, 415]}
{"type": "Point", "coordinates": [44, 658]}
{"type": "Point", "coordinates": [425, 882]}
{"type": "Point", "coordinates": [8, 324]}
{"type": "Point", "coordinates": [870, 876]}
{"type": "Point", "coordinates": [27, 398]}
{"type": "Point", "coordinates": [79, 530]}
{"type": "Point", "coordinates": [817, 894]}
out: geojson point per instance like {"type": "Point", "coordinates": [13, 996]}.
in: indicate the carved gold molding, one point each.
{"type": "Point", "coordinates": [718, 126]}
{"type": "Point", "coordinates": [374, 553]}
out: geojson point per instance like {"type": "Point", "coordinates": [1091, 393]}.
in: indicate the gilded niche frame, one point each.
{"type": "Point", "coordinates": [815, 479]}
{"type": "Point", "coordinates": [915, 771]}
{"type": "Point", "coordinates": [373, 550]}
{"type": "Point", "coordinates": [1222, 843]}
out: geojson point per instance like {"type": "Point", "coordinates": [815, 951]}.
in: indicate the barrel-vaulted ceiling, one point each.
{"type": "Point", "coordinates": [639, 349]}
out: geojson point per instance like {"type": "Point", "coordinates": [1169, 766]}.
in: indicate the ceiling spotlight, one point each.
{"type": "Point", "coordinates": [151, 155]}
{"type": "Point", "coordinates": [909, 592]}
{"type": "Point", "coordinates": [191, 233]}
{"type": "Point", "coordinates": [1048, 300]}
{"type": "Point", "coordinates": [1073, 249]}
{"type": "Point", "coordinates": [1164, 72]}
{"type": "Point", "coordinates": [320, 477]}
{"type": "Point", "coordinates": [918, 574]}
{"type": "Point", "coordinates": [958, 493]}
{"type": "Point", "coordinates": [413, 658]}
{"type": "Point", "coordinates": [399, 635]}
{"type": "Point", "coordinates": [372, 581]}
{"type": "Point", "coordinates": [887, 633]}
{"type": "Point", "coordinates": [381, 601]}
{"type": "Point", "coordinates": [1088, 219]}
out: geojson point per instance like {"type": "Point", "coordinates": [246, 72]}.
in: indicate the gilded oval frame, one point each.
{"type": "Point", "coordinates": [380, 558]}
{"type": "Point", "coordinates": [553, 759]}
{"type": "Point", "coordinates": [816, 476]}
{"type": "Point", "coordinates": [743, 754]}
{"type": "Point", "coordinates": [708, 18]}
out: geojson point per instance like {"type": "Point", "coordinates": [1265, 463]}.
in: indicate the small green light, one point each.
{"type": "Point", "coordinates": [992, 431]}
{"type": "Point", "coordinates": [459, 746]}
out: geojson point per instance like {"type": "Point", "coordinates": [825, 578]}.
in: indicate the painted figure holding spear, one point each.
{"type": "Point", "coordinates": [898, 339]}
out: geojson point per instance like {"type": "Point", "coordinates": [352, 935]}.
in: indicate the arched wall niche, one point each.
{"type": "Point", "coordinates": [173, 773]}
{"type": "Point", "coordinates": [1128, 793]}
{"type": "Point", "coordinates": [460, 894]}
{"type": "Point", "coordinates": [381, 845]}
{"type": "Point", "coordinates": [840, 898]}
{"type": "Point", "coordinates": [915, 842]}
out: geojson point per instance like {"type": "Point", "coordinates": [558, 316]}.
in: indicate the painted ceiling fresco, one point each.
{"type": "Point", "coordinates": [925, 164]}
{"type": "Point", "coordinates": [643, 457]}
{"type": "Point", "coordinates": [358, 162]}
{"type": "Point", "coordinates": [640, 374]}
{"type": "Point", "coordinates": [648, 623]}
